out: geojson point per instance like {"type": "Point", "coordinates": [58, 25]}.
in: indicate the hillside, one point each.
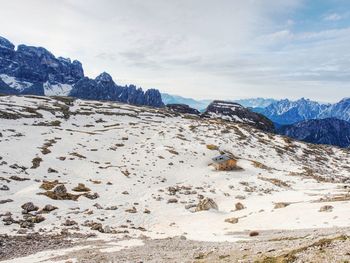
{"type": "Point", "coordinates": [133, 173]}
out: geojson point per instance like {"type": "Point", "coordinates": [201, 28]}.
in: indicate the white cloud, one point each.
{"type": "Point", "coordinates": [333, 17]}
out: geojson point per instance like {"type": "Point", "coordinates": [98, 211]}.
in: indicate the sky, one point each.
{"type": "Point", "coordinates": [213, 49]}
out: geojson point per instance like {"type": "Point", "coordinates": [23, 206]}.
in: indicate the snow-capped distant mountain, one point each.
{"type": "Point", "coordinates": [202, 104]}
{"type": "Point", "coordinates": [324, 131]}
{"type": "Point", "coordinates": [36, 71]}
{"type": "Point", "coordinates": [340, 110]}
{"type": "Point", "coordinates": [175, 99]}
{"type": "Point", "coordinates": [235, 112]}
{"type": "Point", "coordinates": [255, 102]}
{"type": "Point", "coordinates": [288, 112]}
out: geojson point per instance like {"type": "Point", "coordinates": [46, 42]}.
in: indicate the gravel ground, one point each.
{"type": "Point", "coordinates": [313, 245]}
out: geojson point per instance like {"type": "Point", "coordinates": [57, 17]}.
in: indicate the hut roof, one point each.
{"type": "Point", "coordinates": [221, 158]}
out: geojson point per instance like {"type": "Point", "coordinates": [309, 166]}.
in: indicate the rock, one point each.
{"type": "Point", "coordinates": [98, 206]}
{"type": "Point", "coordinates": [97, 227]}
{"type": "Point", "coordinates": [5, 201]}
{"type": "Point", "coordinates": [50, 170]}
{"type": "Point", "coordinates": [4, 188]}
{"type": "Point", "coordinates": [113, 207]}
{"type": "Point", "coordinates": [189, 206]}
{"type": "Point", "coordinates": [326, 208]}
{"type": "Point", "coordinates": [49, 208]}
{"type": "Point", "coordinates": [29, 207]}
{"type": "Point", "coordinates": [232, 220]}
{"type": "Point", "coordinates": [172, 201]}
{"type": "Point", "coordinates": [17, 178]}
{"type": "Point", "coordinates": [26, 224]}
{"type": "Point", "coordinates": [281, 205]}
{"type": "Point", "coordinates": [253, 233]}
{"type": "Point", "coordinates": [81, 188]}
{"type": "Point", "coordinates": [69, 222]}
{"type": "Point", "coordinates": [36, 219]}
{"type": "Point", "coordinates": [206, 204]}
{"type": "Point", "coordinates": [239, 206]}
{"type": "Point", "coordinates": [92, 196]}
{"type": "Point", "coordinates": [131, 210]}
{"type": "Point", "coordinates": [60, 189]}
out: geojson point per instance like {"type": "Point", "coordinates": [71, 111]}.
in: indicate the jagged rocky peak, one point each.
{"type": "Point", "coordinates": [182, 108]}
{"type": "Point", "coordinates": [104, 77]}
{"type": "Point", "coordinates": [35, 70]}
{"type": "Point", "coordinates": [235, 112]}
{"type": "Point", "coordinates": [4, 43]}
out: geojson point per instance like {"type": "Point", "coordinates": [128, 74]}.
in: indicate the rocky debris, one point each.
{"type": "Point", "coordinates": [69, 222]}
{"type": "Point", "coordinates": [113, 207]}
{"type": "Point", "coordinates": [98, 206]}
{"type": "Point", "coordinates": [17, 178]}
{"type": "Point", "coordinates": [48, 185]}
{"type": "Point", "coordinates": [326, 208]}
{"type": "Point", "coordinates": [92, 196]}
{"type": "Point", "coordinates": [29, 207]}
{"type": "Point", "coordinates": [182, 108]}
{"type": "Point", "coordinates": [51, 170]}
{"type": "Point", "coordinates": [49, 208]}
{"type": "Point", "coordinates": [231, 220]}
{"type": "Point", "coordinates": [4, 188]}
{"type": "Point", "coordinates": [131, 210]}
{"type": "Point", "coordinates": [60, 193]}
{"type": "Point", "coordinates": [206, 204]}
{"type": "Point", "coordinates": [5, 201]}
{"type": "Point", "coordinates": [60, 190]}
{"type": "Point", "coordinates": [36, 162]}
{"type": "Point", "coordinates": [281, 205]}
{"type": "Point", "coordinates": [81, 188]}
{"type": "Point", "coordinates": [239, 206]}
{"type": "Point", "coordinates": [172, 201]}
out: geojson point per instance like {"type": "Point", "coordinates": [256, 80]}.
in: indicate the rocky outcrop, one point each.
{"type": "Point", "coordinates": [182, 108]}
{"type": "Point", "coordinates": [237, 113]}
{"type": "Point", "coordinates": [36, 71]}
{"type": "Point", "coordinates": [104, 88]}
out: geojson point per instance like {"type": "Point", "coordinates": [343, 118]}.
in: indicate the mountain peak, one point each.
{"type": "Point", "coordinates": [4, 43]}
{"type": "Point", "coordinates": [104, 77]}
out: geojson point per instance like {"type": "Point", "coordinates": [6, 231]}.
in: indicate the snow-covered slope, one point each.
{"type": "Point", "coordinates": [150, 168]}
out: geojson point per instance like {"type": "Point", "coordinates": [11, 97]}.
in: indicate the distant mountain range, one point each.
{"type": "Point", "coordinates": [36, 71]}
{"type": "Point", "coordinates": [286, 111]}
{"type": "Point", "coordinates": [323, 131]}
{"type": "Point", "coordinates": [201, 105]}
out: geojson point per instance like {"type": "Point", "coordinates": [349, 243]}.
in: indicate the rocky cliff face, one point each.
{"type": "Point", "coordinates": [323, 131]}
{"type": "Point", "coordinates": [34, 70]}
{"type": "Point", "coordinates": [237, 113]}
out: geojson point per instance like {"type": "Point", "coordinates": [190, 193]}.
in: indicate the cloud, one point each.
{"type": "Point", "coordinates": [333, 17]}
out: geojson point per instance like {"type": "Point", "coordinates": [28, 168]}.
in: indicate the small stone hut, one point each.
{"type": "Point", "coordinates": [224, 163]}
